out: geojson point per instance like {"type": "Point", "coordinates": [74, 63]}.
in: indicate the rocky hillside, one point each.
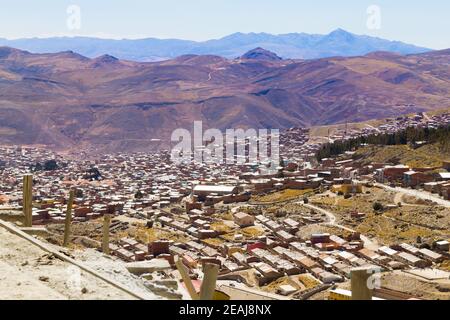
{"type": "Point", "coordinates": [65, 100]}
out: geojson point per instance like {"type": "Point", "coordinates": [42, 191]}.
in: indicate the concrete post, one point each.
{"type": "Point", "coordinates": [24, 201]}
{"type": "Point", "coordinates": [208, 287]}
{"type": "Point", "coordinates": [68, 218]}
{"type": "Point", "coordinates": [28, 200]}
{"type": "Point", "coordinates": [105, 242]}
{"type": "Point", "coordinates": [359, 283]}
{"type": "Point", "coordinates": [186, 279]}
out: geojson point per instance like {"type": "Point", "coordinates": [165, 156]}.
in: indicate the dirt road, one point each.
{"type": "Point", "coordinates": [416, 193]}
{"type": "Point", "coordinates": [368, 243]}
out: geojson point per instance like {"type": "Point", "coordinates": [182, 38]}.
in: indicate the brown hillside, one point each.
{"type": "Point", "coordinates": [65, 100]}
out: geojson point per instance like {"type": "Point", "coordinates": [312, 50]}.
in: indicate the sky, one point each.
{"type": "Point", "coordinates": [423, 23]}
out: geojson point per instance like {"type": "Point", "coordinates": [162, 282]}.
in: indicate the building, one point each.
{"type": "Point", "coordinates": [409, 248]}
{"type": "Point", "coordinates": [341, 294]}
{"type": "Point", "coordinates": [430, 255]}
{"type": "Point", "coordinates": [387, 251]}
{"type": "Point", "coordinates": [412, 260]}
{"type": "Point", "coordinates": [443, 176]}
{"type": "Point", "coordinates": [202, 191]}
{"type": "Point", "coordinates": [320, 238]}
{"type": "Point", "coordinates": [443, 245]}
{"type": "Point", "coordinates": [413, 179]}
{"type": "Point", "coordinates": [243, 219]}
{"type": "Point", "coordinates": [446, 192]}
{"type": "Point", "coordinates": [446, 165]}
{"type": "Point", "coordinates": [391, 173]}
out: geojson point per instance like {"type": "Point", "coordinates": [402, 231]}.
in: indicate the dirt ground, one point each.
{"type": "Point", "coordinates": [428, 290]}
{"type": "Point", "coordinates": [284, 195]}
{"type": "Point", "coordinates": [404, 283]}
{"type": "Point", "coordinates": [400, 224]}
{"type": "Point", "coordinates": [27, 272]}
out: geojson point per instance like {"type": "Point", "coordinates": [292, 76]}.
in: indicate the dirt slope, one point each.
{"type": "Point", "coordinates": [27, 272]}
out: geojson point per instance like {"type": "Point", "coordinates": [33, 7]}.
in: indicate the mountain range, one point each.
{"type": "Point", "coordinates": [105, 104]}
{"type": "Point", "coordinates": [287, 46]}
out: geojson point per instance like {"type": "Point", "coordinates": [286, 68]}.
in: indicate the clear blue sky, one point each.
{"type": "Point", "coordinates": [425, 23]}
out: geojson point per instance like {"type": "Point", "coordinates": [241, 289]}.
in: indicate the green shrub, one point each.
{"type": "Point", "coordinates": [378, 206]}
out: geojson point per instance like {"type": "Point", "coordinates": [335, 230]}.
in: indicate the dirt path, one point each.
{"type": "Point", "coordinates": [418, 194]}
{"type": "Point", "coordinates": [28, 272]}
{"type": "Point", "coordinates": [368, 243]}
{"type": "Point", "coordinates": [398, 198]}
{"type": "Point", "coordinates": [371, 244]}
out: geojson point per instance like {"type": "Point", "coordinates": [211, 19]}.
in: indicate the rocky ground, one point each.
{"type": "Point", "coordinates": [27, 272]}
{"type": "Point", "coordinates": [405, 223]}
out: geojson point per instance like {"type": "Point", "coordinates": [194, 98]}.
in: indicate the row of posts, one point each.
{"type": "Point", "coordinates": [28, 213]}
{"type": "Point", "coordinates": [359, 276]}
{"type": "Point", "coordinates": [210, 271]}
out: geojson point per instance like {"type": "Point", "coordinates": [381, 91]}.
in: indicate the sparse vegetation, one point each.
{"type": "Point", "coordinates": [378, 207]}
{"type": "Point", "coordinates": [427, 156]}
{"type": "Point", "coordinates": [284, 195]}
{"type": "Point", "coordinates": [308, 281]}
{"type": "Point", "coordinates": [138, 195]}
{"type": "Point", "coordinates": [440, 136]}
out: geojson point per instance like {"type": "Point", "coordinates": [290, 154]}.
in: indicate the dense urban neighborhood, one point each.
{"type": "Point", "coordinates": [294, 232]}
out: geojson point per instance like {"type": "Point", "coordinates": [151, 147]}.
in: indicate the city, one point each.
{"type": "Point", "coordinates": [224, 159]}
{"type": "Point", "coordinates": [295, 233]}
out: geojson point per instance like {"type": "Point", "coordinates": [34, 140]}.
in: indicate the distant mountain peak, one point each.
{"type": "Point", "coordinates": [7, 51]}
{"type": "Point", "coordinates": [261, 54]}
{"type": "Point", "coordinates": [238, 35]}
{"type": "Point", "coordinates": [72, 54]}
{"type": "Point", "coordinates": [106, 58]}
{"type": "Point", "coordinates": [340, 31]}
{"type": "Point", "coordinates": [104, 61]}
{"type": "Point", "coordinates": [289, 46]}
{"type": "Point", "coordinates": [341, 34]}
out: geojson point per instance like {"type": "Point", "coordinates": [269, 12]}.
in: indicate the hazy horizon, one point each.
{"type": "Point", "coordinates": [420, 24]}
{"type": "Point", "coordinates": [110, 37]}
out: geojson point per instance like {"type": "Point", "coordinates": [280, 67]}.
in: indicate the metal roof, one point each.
{"type": "Point", "coordinates": [211, 188]}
